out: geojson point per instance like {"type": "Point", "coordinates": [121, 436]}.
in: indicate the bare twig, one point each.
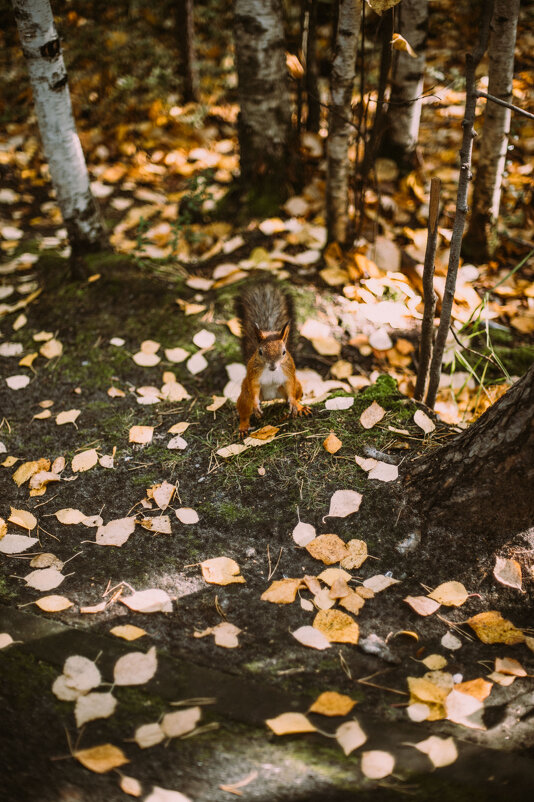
{"type": "Point", "coordinates": [506, 105]}
{"type": "Point", "coordinates": [427, 328]}
{"type": "Point", "coordinates": [471, 62]}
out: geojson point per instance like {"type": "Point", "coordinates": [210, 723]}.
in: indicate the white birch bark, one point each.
{"type": "Point", "coordinates": [61, 145]}
{"type": "Point", "coordinates": [494, 142]}
{"type": "Point", "coordinates": [340, 115]}
{"type": "Point", "coordinates": [404, 110]}
{"type": "Point", "coordinates": [265, 117]}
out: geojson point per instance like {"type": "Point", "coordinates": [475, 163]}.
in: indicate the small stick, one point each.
{"type": "Point", "coordinates": [427, 328]}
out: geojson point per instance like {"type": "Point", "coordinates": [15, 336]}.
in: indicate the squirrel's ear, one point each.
{"type": "Point", "coordinates": [284, 334]}
{"type": "Point", "coordinates": [259, 333]}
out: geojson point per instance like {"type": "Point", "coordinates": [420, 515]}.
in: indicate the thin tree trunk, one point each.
{"type": "Point", "coordinates": [471, 63]}
{"type": "Point", "coordinates": [339, 128]}
{"type": "Point", "coordinates": [61, 145]}
{"type": "Point", "coordinates": [482, 481]}
{"type": "Point", "coordinates": [186, 41]}
{"type": "Point", "coordinates": [312, 83]}
{"type": "Point", "coordinates": [481, 239]}
{"type": "Point", "coordinates": [264, 119]}
{"type": "Point", "coordinates": [405, 102]}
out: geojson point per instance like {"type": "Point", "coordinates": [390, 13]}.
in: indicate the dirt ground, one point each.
{"type": "Point", "coordinates": [248, 506]}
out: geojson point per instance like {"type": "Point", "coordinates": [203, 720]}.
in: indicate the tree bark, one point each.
{"type": "Point", "coordinates": [340, 114]}
{"type": "Point", "coordinates": [405, 102]}
{"type": "Point", "coordinates": [265, 118]}
{"type": "Point", "coordinates": [482, 481]}
{"type": "Point", "coordinates": [481, 239]}
{"type": "Point", "coordinates": [313, 119]}
{"type": "Point", "coordinates": [61, 144]}
{"type": "Point", "coordinates": [186, 42]}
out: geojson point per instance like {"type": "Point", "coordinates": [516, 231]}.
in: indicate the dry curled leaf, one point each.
{"type": "Point", "coordinates": [508, 572]}
{"type": "Point", "coordinates": [221, 571]}
{"type": "Point", "coordinates": [282, 591]}
{"type": "Point", "coordinates": [491, 627]}
{"type": "Point", "coordinates": [329, 549]}
{"type": "Point", "coordinates": [338, 627]}
{"type": "Point", "coordinates": [332, 444]}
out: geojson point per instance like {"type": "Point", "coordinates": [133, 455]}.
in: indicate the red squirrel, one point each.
{"type": "Point", "coordinates": [265, 312]}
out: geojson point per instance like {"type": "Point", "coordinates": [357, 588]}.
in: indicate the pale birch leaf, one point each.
{"type": "Point", "coordinates": [376, 764]}
{"type": "Point", "coordinates": [135, 668]}
{"type": "Point", "coordinates": [44, 579]}
{"type": "Point", "coordinates": [152, 600]}
{"type": "Point", "coordinates": [93, 706]}
{"type": "Point", "coordinates": [148, 735]}
{"type": "Point", "coordinates": [350, 736]}
{"type": "Point", "coordinates": [180, 722]}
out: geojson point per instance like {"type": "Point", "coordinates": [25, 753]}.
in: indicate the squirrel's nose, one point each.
{"type": "Point", "coordinates": [272, 367]}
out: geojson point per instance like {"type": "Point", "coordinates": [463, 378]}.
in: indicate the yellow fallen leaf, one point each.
{"type": "Point", "coordinates": [357, 555]}
{"type": "Point", "coordinates": [451, 594]}
{"type": "Point", "coordinates": [28, 360]}
{"type": "Point", "coordinates": [217, 403]}
{"type": "Point", "coordinates": [101, 759]}
{"type": "Point", "coordinates": [289, 723]}
{"type": "Point", "coordinates": [28, 469]}
{"type": "Point", "coordinates": [85, 460]}
{"type": "Point", "coordinates": [332, 703]}
{"type": "Point", "coordinates": [338, 627]}
{"type": "Point", "coordinates": [282, 591]}
{"type": "Point", "coordinates": [329, 549]}
{"type": "Point", "coordinates": [491, 627]}
{"type": "Point", "coordinates": [265, 433]}
{"type": "Point", "coordinates": [221, 571]}
{"type": "Point", "coordinates": [332, 444]}
{"type": "Point", "coordinates": [479, 688]}
{"type": "Point", "coordinates": [232, 450]}
{"type": "Point", "coordinates": [141, 434]}
{"type": "Point", "coordinates": [434, 662]}
{"type": "Point", "coordinates": [127, 631]}
{"type": "Point", "coordinates": [399, 43]}
{"type": "Point", "coordinates": [23, 518]}
{"type": "Point", "coordinates": [53, 603]}
{"type": "Point", "coordinates": [353, 602]}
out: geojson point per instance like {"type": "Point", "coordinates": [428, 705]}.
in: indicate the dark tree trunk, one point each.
{"type": "Point", "coordinates": [482, 482]}
{"type": "Point", "coordinates": [186, 41]}
{"type": "Point", "coordinates": [264, 124]}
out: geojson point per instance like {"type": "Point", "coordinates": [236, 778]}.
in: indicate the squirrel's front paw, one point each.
{"type": "Point", "coordinates": [243, 432]}
{"type": "Point", "coordinates": [296, 410]}
{"type": "Point", "coordinates": [257, 411]}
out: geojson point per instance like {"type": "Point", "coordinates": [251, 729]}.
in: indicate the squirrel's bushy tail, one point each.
{"type": "Point", "coordinates": [269, 307]}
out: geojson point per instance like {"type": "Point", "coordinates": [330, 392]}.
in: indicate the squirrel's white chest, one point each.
{"type": "Point", "coordinates": [270, 382]}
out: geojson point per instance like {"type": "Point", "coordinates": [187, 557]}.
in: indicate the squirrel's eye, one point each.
{"type": "Point", "coordinates": [260, 351]}
{"type": "Point", "coordinates": [284, 352]}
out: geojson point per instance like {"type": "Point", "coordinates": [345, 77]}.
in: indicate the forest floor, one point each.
{"type": "Point", "coordinates": [148, 339]}
{"type": "Point", "coordinates": [248, 506]}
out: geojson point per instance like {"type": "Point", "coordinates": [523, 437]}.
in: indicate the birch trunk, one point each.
{"type": "Point", "coordinates": [340, 115]}
{"type": "Point", "coordinates": [265, 118]}
{"type": "Point", "coordinates": [482, 480]}
{"type": "Point", "coordinates": [481, 239]}
{"type": "Point", "coordinates": [404, 110]}
{"type": "Point", "coordinates": [61, 145]}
